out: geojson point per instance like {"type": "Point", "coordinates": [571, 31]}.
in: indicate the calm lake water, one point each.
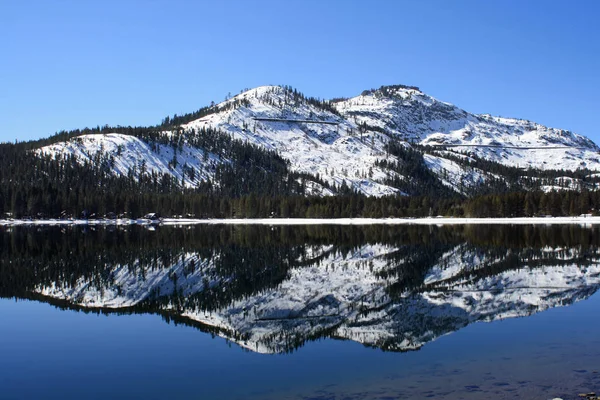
{"type": "Point", "coordinates": [302, 312]}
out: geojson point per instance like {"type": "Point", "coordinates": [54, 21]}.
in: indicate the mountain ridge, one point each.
{"type": "Point", "coordinates": [346, 142]}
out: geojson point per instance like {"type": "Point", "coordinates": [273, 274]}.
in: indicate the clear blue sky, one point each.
{"type": "Point", "coordinates": [72, 64]}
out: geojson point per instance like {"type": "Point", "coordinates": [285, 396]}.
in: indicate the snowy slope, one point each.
{"type": "Point", "coordinates": [344, 146]}
{"type": "Point", "coordinates": [126, 153]}
{"type": "Point", "coordinates": [412, 115]}
{"type": "Point", "coordinates": [335, 152]}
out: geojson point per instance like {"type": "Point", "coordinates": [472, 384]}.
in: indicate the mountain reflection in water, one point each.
{"type": "Point", "coordinates": [271, 289]}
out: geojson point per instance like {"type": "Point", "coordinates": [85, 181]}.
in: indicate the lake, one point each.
{"type": "Point", "coordinates": [299, 312]}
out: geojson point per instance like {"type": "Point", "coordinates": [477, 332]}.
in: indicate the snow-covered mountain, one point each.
{"type": "Point", "coordinates": [347, 141]}
{"type": "Point", "coordinates": [378, 295]}
{"type": "Point", "coordinates": [414, 116]}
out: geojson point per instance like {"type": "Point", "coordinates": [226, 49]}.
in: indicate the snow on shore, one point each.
{"type": "Point", "coordinates": [584, 220]}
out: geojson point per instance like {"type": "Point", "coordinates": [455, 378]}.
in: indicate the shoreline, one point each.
{"type": "Point", "coordinates": [585, 220]}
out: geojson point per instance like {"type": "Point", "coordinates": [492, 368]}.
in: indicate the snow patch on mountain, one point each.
{"type": "Point", "coordinates": [411, 115]}
{"type": "Point", "coordinates": [333, 150]}
{"type": "Point", "coordinates": [125, 153]}
{"type": "Point", "coordinates": [454, 175]}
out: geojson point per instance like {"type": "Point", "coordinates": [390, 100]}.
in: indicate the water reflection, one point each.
{"type": "Point", "coordinates": [271, 289]}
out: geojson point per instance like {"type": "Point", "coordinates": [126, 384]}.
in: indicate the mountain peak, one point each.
{"type": "Point", "coordinates": [391, 90]}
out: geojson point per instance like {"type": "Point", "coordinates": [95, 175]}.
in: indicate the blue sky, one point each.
{"type": "Point", "coordinates": [72, 64]}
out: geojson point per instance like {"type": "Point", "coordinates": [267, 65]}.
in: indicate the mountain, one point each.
{"type": "Point", "coordinates": [411, 115]}
{"type": "Point", "coordinates": [392, 140]}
